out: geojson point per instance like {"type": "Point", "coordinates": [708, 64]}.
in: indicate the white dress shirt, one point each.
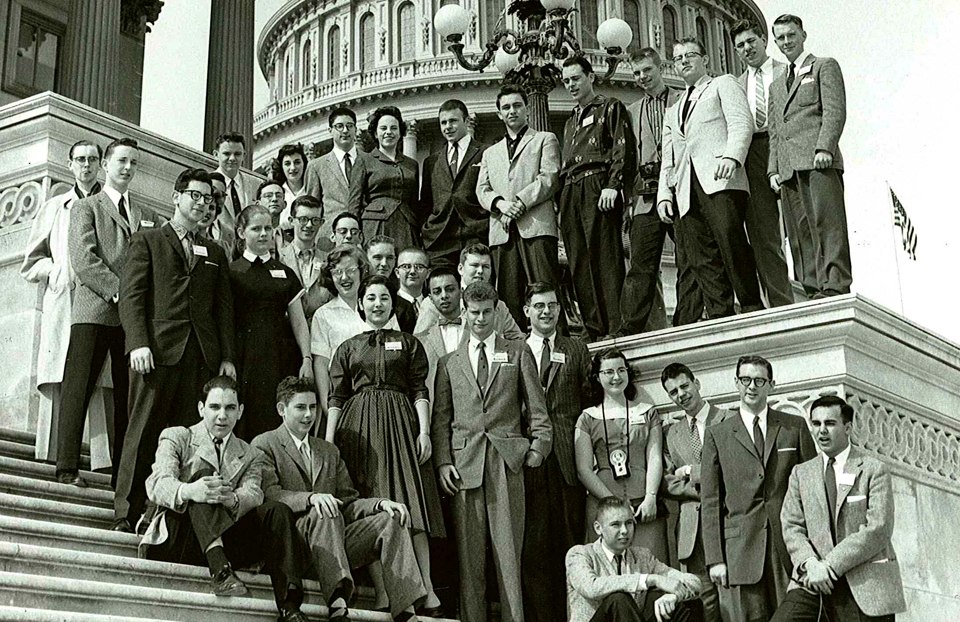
{"type": "Point", "coordinates": [303, 446]}
{"type": "Point", "coordinates": [414, 300]}
{"type": "Point", "coordinates": [536, 345]}
{"type": "Point", "coordinates": [249, 256]}
{"type": "Point", "coordinates": [462, 145]}
{"type": "Point", "coordinates": [474, 352]}
{"type": "Point", "coordinates": [748, 420]}
{"type": "Point", "coordinates": [338, 153]}
{"type": "Point", "coordinates": [334, 323]}
{"type": "Point", "coordinates": [767, 70]}
{"type": "Point", "coordinates": [839, 461]}
{"type": "Point", "coordinates": [625, 566]}
{"type": "Point", "coordinates": [702, 420]}
{"type": "Point", "coordinates": [797, 64]}
{"type": "Point", "coordinates": [115, 195]}
{"type": "Point", "coordinates": [451, 334]}
{"type": "Point", "coordinates": [238, 183]}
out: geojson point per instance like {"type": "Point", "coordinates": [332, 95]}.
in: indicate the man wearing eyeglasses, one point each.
{"type": "Point", "coordinates": [302, 254]}
{"type": "Point", "coordinates": [747, 460]}
{"type": "Point", "coordinates": [271, 195]}
{"type": "Point", "coordinates": [346, 230]}
{"type": "Point", "coordinates": [703, 186]}
{"type": "Point", "coordinates": [412, 267]}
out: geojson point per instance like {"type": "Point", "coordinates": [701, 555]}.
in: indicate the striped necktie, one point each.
{"type": "Point", "coordinates": [761, 97]}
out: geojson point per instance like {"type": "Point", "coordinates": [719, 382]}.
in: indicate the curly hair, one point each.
{"type": "Point", "coordinates": [387, 111]}
{"type": "Point", "coordinates": [335, 256]}
{"type": "Point", "coordinates": [596, 390]}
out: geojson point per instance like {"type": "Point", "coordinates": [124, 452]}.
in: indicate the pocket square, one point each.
{"type": "Point", "coordinates": [786, 448]}
{"type": "Point", "coordinates": [210, 263]}
{"type": "Point", "coordinates": [856, 498]}
{"type": "Point", "coordinates": [807, 81]}
{"type": "Point", "coordinates": [880, 561]}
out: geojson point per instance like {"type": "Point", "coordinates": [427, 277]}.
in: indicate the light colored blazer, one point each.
{"type": "Point", "coordinates": [864, 552]}
{"type": "Point", "coordinates": [719, 126]}
{"type": "Point", "coordinates": [808, 118]}
{"type": "Point", "coordinates": [532, 176]}
{"type": "Point", "coordinates": [325, 181]}
{"type": "Point", "coordinates": [316, 294]}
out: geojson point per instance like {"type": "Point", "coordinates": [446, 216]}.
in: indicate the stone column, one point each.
{"type": "Point", "coordinates": [230, 73]}
{"type": "Point", "coordinates": [92, 54]}
{"type": "Point", "coordinates": [410, 140]}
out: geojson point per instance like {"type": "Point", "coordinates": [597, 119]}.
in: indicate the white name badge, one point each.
{"type": "Point", "coordinates": [558, 357]}
{"type": "Point", "coordinates": [278, 274]}
{"type": "Point", "coordinates": [146, 223]}
{"type": "Point", "coordinates": [807, 81]}
{"type": "Point", "coordinates": [199, 251]}
{"type": "Point", "coordinates": [393, 345]}
{"type": "Point", "coordinates": [847, 479]}
{"type": "Point", "coordinates": [587, 121]}
{"type": "Point", "coordinates": [500, 357]}
{"type": "Point", "coordinates": [804, 70]}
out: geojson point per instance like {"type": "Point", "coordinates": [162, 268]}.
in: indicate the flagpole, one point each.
{"type": "Point", "coordinates": [896, 254]}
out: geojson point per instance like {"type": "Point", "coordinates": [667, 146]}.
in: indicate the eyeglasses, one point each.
{"type": "Point", "coordinates": [610, 373]}
{"type": "Point", "coordinates": [540, 306]}
{"type": "Point", "coordinates": [345, 127]}
{"type": "Point", "coordinates": [688, 56]}
{"type": "Point", "coordinates": [316, 221]}
{"type": "Point", "coordinates": [412, 267]}
{"type": "Point", "coordinates": [349, 272]}
{"type": "Point", "coordinates": [757, 382]}
{"type": "Point", "coordinates": [86, 159]}
{"type": "Point", "coordinates": [345, 232]}
{"type": "Point", "coordinates": [199, 197]}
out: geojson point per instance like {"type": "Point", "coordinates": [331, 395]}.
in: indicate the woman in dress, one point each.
{"type": "Point", "coordinates": [273, 339]}
{"type": "Point", "coordinates": [379, 417]}
{"type": "Point", "coordinates": [384, 186]}
{"type": "Point", "coordinates": [618, 445]}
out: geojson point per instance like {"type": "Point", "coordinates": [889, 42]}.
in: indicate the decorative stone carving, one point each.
{"type": "Point", "coordinates": [657, 33]}
{"type": "Point", "coordinates": [383, 43]}
{"type": "Point", "coordinates": [346, 55]}
{"type": "Point", "coordinates": [426, 27]}
{"type": "Point", "coordinates": [473, 24]}
{"type": "Point", "coordinates": [20, 204]}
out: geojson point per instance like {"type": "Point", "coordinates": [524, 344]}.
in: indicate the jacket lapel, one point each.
{"type": "Point", "coordinates": [441, 169]}
{"type": "Point", "coordinates": [499, 347]}
{"type": "Point", "coordinates": [203, 446]}
{"type": "Point", "coordinates": [527, 137]}
{"type": "Point", "coordinates": [819, 514]}
{"type": "Point", "coordinates": [291, 450]}
{"type": "Point", "coordinates": [174, 241]}
{"type": "Point", "coordinates": [852, 467]}
{"type": "Point", "coordinates": [315, 456]}
{"type": "Point", "coordinates": [741, 434]}
{"type": "Point", "coordinates": [773, 428]}
{"type": "Point", "coordinates": [554, 369]}
{"type": "Point", "coordinates": [288, 257]}
{"type": "Point", "coordinates": [106, 205]}
{"type": "Point", "coordinates": [336, 173]}
{"type": "Point", "coordinates": [472, 151]}
{"type": "Point", "coordinates": [234, 459]}
{"type": "Point", "coordinates": [462, 357]}
{"type": "Point", "coordinates": [797, 78]}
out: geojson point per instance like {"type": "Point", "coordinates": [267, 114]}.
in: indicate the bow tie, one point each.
{"type": "Point", "coordinates": [445, 322]}
{"type": "Point", "coordinates": [376, 337]}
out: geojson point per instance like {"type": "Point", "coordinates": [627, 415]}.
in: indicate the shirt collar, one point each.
{"type": "Point", "coordinates": [93, 190]}
{"type": "Point", "coordinates": [596, 101]}
{"type": "Point", "coordinates": [749, 416]}
{"type": "Point", "coordinates": [537, 339]}
{"type": "Point", "coordinates": [701, 415]}
{"type": "Point", "coordinates": [520, 134]}
{"type": "Point", "coordinates": [226, 440]}
{"type": "Point", "coordinates": [249, 256]}
{"type": "Point", "coordinates": [662, 94]}
{"type": "Point", "coordinates": [229, 179]}
{"type": "Point", "coordinates": [766, 67]}
{"type": "Point", "coordinates": [608, 552]}
{"type": "Point", "coordinates": [298, 248]}
{"type": "Point", "coordinates": [462, 145]}
{"type": "Point", "coordinates": [407, 296]}
{"type": "Point", "coordinates": [840, 460]}
{"type": "Point", "coordinates": [298, 442]}
{"type": "Point", "coordinates": [115, 195]}
{"type": "Point", "coordinates": [801, 59]}
{"type": "Point", "coordinates": [490, 342]}
{"type": "Point", "coordinates": [179, 229]}
{"type": "Point", "coordinates": [339, 153]}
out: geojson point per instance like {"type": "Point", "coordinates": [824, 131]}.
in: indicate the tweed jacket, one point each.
{"type": "Point", "coordinates": [325, 180]}
{"type": "Point", "coordinates": [445, 199]}
{"type": "Point", "coordinates": [316, 294]}
{"type": "Point", "coordinates": [567, 393]}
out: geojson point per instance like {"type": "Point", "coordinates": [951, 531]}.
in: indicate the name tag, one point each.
{"type": "Point", "coordinates": [146, 223]}
{"type": "Point", "coordinates": [807, 81]}
{"type": "Point", "coordinates": [500, 357]}
{"type": "Point", "coordinates": [278, 274]}
{"type": "Point", "coordinates": [558, 357]}
{"type": "Point", "coordinates": [587, 121]}
{"type": "Point", "coordinates": [200, 251]}
{"type": "Point", "coordinates": [847, 479]}
{"type": "Point", "coordinates": [393, 345]}
{"type": "Point", "coordinates": [804, 70]}
{"type": "Point", "coordinates": [856, 498]}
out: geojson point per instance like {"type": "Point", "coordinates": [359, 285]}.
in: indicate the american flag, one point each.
{"type": "Point", "coordinates": [900, 219]}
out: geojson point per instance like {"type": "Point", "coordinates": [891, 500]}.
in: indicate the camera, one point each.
{"type": "Point", "coordinates": [648, 179]}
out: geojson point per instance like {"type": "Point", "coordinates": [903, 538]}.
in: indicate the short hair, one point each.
{"type": "Point", "coordinates": [455, 104]}
{"type": "Point", "coordinates": [341, 216]}
{"type": "Point", "coordinates": [475, 249]}
{"type": "Point", "coordinates": [191, 174]}
{"type": "Point", "coordinates": [386, 111]}
{"type": "Point", "coordinates": [752, 359]}
{"type": "Point", "coordinates": [85, 143]}
{"type": "Point", "coordinates": [229, 137]}
{"type": "Point", "coordinates": [341, 111]}
{"type": "Point", "coordinates": [381, 239]}
{"type": "Point", "coordinates": [442, 271]}
{"type": "Point", "coordinates": [247, 214]}
{"type": "Point", "coordinates": [829, 401]}
{"type": "Point", "coordinates": [646, 53]}
{"type": "Point", "coordinates": [538, 287]}
{"type": "Point", "coordinates": [335, 256]}
{"type": "Point", "coordinates": [291, 150]}
{"type": "Point", "coordinates": [375, 279]}
{"type": "Point", "coordinates": [691, 41]}
{"type": "Point", "coordinates": [218, 382]}
{"type": "Point", "coordinates": [415, 249]}
{"type": "Point", "coordinates": [269, 182]}
{"type": "Point", "coordinates": [785, 19]}
{"type": "Point", "coordinates": [479, 291]}
{"type": "Point", "coordinates": [291, 386]}
{"type": "Point", "coordinates": [119, 142]}
{"type": "Point", "coordinates": [607, 504]}
{"type": "Point", "coordinates": [580, 61]}
{"type": "Point", "coordinates": [306, 200]}
{"type": "Point", "coordinates": [630, 392]}
{"type": "Point", "coordinates": [512, 89]}
{"type": "Point", "coordinates": [745, 25]}
{"type": "Point", "coordinates": [675, 370]}
{"type": "Point", "coordinates": [217, 176]}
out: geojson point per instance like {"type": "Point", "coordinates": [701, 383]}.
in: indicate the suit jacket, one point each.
{"type": "Point", "coordinates": [325, 181]}
{"type": "Point", "coordinates": [742, 496]}
{"type": "Point", "coordinates": [465, 418]}
{"type": "Point", "coordinates": [503, 322]}
{"type": "Point", "coordinates": [532, 176]}
{"type": "Point", "coordinates": [450, 205]}
{"type": "Point", "coordinates": [677, 453]}
{"type": "Point", "coordinates": [163, 299]}
{"type": "Point", "coordinates": [591, 577]}
{"type": "Point", "coordinates": [98, 242]}
{"type": "Point", "coordinates": [316, 294]}
{"type": "Point", "coordinates": [864, 552]}
{"type": "Point", "coordinates": [285, 475]}
{"type": "Point", "coordinates": [808, 118]}
{"type": "Point", "coordinates": [225, 227]}
{"type": "Point", "coordinates": [567, 393]}
{"type": "Point", "coordinates": [381, 187]}
{"type": "Point", "coordinates": [719, 126]}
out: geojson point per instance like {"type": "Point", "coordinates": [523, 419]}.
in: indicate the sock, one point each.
{"type": "Point", "coordinates": [217, 559]}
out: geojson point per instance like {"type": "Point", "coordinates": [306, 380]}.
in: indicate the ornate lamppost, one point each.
{"type": "Point", "coordinates": [532, 56]}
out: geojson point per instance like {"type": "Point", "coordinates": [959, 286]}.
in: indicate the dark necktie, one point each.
{"type": "Point", "coordinates": [347, 167]}
{"type": "Point", "coordinates": [454, 160]}
{"type": "Point", "coordinates": [791, 76]}
{"type": "Point", "coordinates": [218, 445]}
{"type": "Point", "coordinates": [234, 198]}
{"type": "Point", "coordinates": [830, 483]}
{"type": "Point", "coordinates": [123, 210]}
{"type": "Point", "coordinates": [687, 105]}
{"type": "Point", "coordinates": [695, 443]}
{"type": "Point", "coordinates": [483, 368]}
{"type": "Point", "coordinates": [758, 437]}
{"type": "Point", "coordinates": [619, 558]}
{"type": "Point", "coordinates": [545, 363]}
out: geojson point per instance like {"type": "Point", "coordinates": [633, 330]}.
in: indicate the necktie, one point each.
{"type": "Point", "coordinates": [545, 363]}
{"type": "Point", "coordinates": [307, 462]}
{"type": "Point", "coordinates": [217, 445]}
{"type": "Point", "coordinates": [454, 160]}
{"type": "Point", "coordinates": [619, 558]}
{"type": "Point", "coordinates": [123, 210]}
{"type": "Point", "coordinates": [188, 241]}
{"type": "Point", "coordinates": [791, 76]}
{"type": "Point", "coordinates": [758, 437]}
{"type": "Point", "coordinates": [483, 369]}
{"type": "Point", "coordinates": [686, 108]}
{"type": "Point", "coordinates": [235, 206]}
{"type": "Point", "coordinates": [761, 97]}
{"type": "Point", "coordinates": [830, 483]}
{"type": "Point", "coordinates": [695, 439]}
{"type": "Point", "coordinates": [445, 322]}
{"type": "Point", "coordinates": [347, 167]}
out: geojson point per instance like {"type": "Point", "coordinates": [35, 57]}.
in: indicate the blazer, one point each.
{"type": "Point", "coordinates": [677, 453]}
{"type": "Point", "coordinates": [719, 126]}
{"type": "Point", "coordinates": [864, 552]}
{"type": "Point", "coordinates": [466, 418]}
{"type": "Point", "coordinates": [381, 186]}
{"type": "Point", "coordinates": [808, 118]}
{"type": "Point", "coordinates": [226, 223]}
{"type": "Point", "coordinates": [503, 322]}
{"type": "Point", "coordinates": [163, 300]}
{"type": "Point", "coordinates": [532, 176]}
{"type": "Point", "coordinates": [316, 294]}
{"type": "Point", "coordinates": [98, 242]}
{"type": "Point", "coordinates": [442, 196]}
{"type": "Point", "coordinates": [591, 577]}
{"type": "Point", "coordinates": [742, 496]}
{"type": "Point", "coordinates": [285, 475]}
{"type": "Point", "coordinates": [324, 180]}
{"type": "Point", "coordinates": [567, 393]}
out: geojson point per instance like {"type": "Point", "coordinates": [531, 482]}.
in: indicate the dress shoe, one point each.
{"type": "Point", "coordinates": [227, 583]}
{"type": "Point", "coordinates": [293, 615]}
{"type": "Point", "coordinates": [122, 525]}
{"type": "Point", "coordinates": [72, 479]}
{"type": "Point", "coordinates": [431, 612]}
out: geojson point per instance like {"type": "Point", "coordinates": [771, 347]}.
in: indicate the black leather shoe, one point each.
{"type": "Point", "coordinates": [71, 479]}
{"type": "Point", "coordinates": [227, 583]}
{"type": "Point", "coordinates": [122, 525]}
{"type": "Point", "coordinates": [431, 612]}
{"type": "Point", "coordinates": [293, 615]}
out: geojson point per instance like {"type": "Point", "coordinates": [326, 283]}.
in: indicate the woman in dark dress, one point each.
{"type": "Point", "coordinates": [379, 407]}
{"type": "Point", "coordinates": [272, 331]}
{"type": "Point", "coordinates": [384, 188]}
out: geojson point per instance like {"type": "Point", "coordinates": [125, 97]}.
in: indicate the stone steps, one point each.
{"type": "Point", "coordinates": [16, 448]}
{"type": "Point", "coordinates": [66, 536]}
{"type": "Point", "coordinates": [25, 614]}
{"type": "Point", "coordinates": [47, 472]}
{"type": "Point", "coordinates": [44, 509]}
{"type": "Point", "coordinates": [55, 491]}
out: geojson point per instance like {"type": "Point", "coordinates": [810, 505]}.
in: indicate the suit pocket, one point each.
{"type": "Point", "coordinates": [731, 531]}
{"type": "Point", "coordinates": [808, 94]}
{"type": "Point", "coordinates": [458, 442]}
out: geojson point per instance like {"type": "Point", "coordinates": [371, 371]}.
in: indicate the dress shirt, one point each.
{"type": "Point", "coordinates": [536, 345]}
{"type": "Point", "coordinates": [289, 196]}
{"type": "Point", "coordinates": [702, 420]}
{"type": "Point", "coordinates": [654, 108]}
{"type": "Point", "coordinates": [767, 70]}
{"type": "Point", "coordinates": [334, 323]}
{"type": "Point", "coordinates": [625, 567]}
{"type": "Point", "coordinates": [416, 301]}
{"type": "Point", "coordinates": [797, 64]}
{"type": "Point", "coordinates": [178, 498]}
{"type": "Point", "coordinates": [338, 153]}
{"type": "Point", "coordinates": [462, 145]}
{"type": "Point", "coordinates": [236, 182]}
{"type": "Point", "coordinates": [249, 256]}
{"type": "Point", "coordinates": [115, 195]}
{"type": "Point", "coordinates": [305, 264]}
{"type": "Point", "coordinates": [489, 343]}
{"type": "Point", "coordinates": [182, 234]}
{"type": "Point", "coordinates": [451, 333]}
{"type": "Point", "coordinates": [748, 421]}
{"type": "Point", "coordinates": [303, 446]}
{"type": "Point", "coordinates": [839, 461]}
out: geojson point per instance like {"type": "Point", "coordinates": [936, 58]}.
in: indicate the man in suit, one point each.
{"type": "Point", "coordinates": [177, 312]}
{"type": "Point", "coordinates": [487, 394]}
{"type": "Point", "coordinates": [703, 186]}
{"type": "Point", "coordinates": [328, 177]}
{"type": "Point", "coordinates": [808, 108]}
{"type": "Point", "coordinates": [518, 178]}
{"type": "Point", "coordinates": [97, 242]}
{"type": "Point", "coordinates": [302, 254]}
{"type": "Point", "coordinates": [413, 265]}
{"type": "Point", "coordinates": [229, 149]}
{"type": "Point", "coordinates": [340, 530]}
{"type": "Point", "coordinates": [610, 580]}
{"type": "Point", "coordinates": [599, 165]}
{"type": "Point", "coordinates": [209, 505]}
{"type": "Point", "coordinates": [681, 476]}
{"type": "Point", "coordinates": [763, 214]}
{"type": "Point", "coordinates": [837, 523]}
{"type": "Point", "coordinates": [448, 192]}
{"type": "Point", "coordinates": [564, 369]}
{"type": "Point", "coordinates": [747, 461]}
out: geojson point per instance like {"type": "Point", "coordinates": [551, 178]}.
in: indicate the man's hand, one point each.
{"type": "Point", "coordinates": [822, 159]}
{"type": "Point", "coordinates": [141, 360]}
{"type": "Point", "coordinates": [227, 369]}
{"type": "Point", "coordinates": [684, 471]}
{"type": "Point", "coordinates": [327, 505]}
{"type": "Point", "coordinates": [692, 583]}
{"type": "Point", "coordinates": [210, 489]}
{"type": "Point", "coordinates": [533, 459]}
{"type": "Point", "coordinates": [449, 479]}
{"type": "Point", "coordinates": [608, 199]}
{"type": "Point", "coordinates": [306, 368]}
{"type": "Point", "coordinates": [718, 574]}
{"type": "Point", "coordinates": [671, 585]}
{"type": "Point", "coordinates": [513, 209]}
{"type": "Point", "coordinates": [396, 510]}
{"type": "Point", "coordinates": [666, 211]}
{"type": "Point", "coordinates": [775, 182]}
{"type": "Point", "coordinates": [664, 606]}
{"type": "Point", "coordinates": [505, 221]}
{"type": "Point", "coordinates": [726, 168]}
{"type": "Point", "coordinates": [647, 510]}
{"type": "Point", "coordinates": [424, 448]}
{"type": "Point", "coordinates": [819, 576]}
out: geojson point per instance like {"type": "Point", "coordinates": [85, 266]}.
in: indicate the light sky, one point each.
{"type": "Point", "coordinates": [901, 130]}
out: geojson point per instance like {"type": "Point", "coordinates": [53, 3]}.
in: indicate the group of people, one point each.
{"type": "Point", "coordinates": [436, 397]}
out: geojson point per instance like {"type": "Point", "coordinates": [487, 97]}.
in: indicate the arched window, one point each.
{"type": "Point", "coordinates": [368, 43]}
{"type": "Point", "coordinates": [333, 53]}
{"type": "Point", "coordinates": [589, 20]}
{"type": "Point", "coordinates": [491, 15]}
{"type": "Point", "coordinates": [287, 75]}
{"type": "Point", "coordinates": [670, 35]}
{"type": "Point", "coordinates": [407, 36]}
{"type": "Point", "coordinates": [631, 14]}
{"type": "Point", "coordinates": [307, 64]}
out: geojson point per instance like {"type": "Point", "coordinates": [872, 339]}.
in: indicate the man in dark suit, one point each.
{"type": "Point", "coordinates": [449, 190]}
{"type": "Point", "coordinates": [177, 312]}
{"type": "Point", "coordinates": [98, 239]}
{"type": "Point", "coordinates": [564, 369]}
{"type": "Point", "coordinates": [340, 530]}
{"type": "Point", "coordinates": [206, 484]}
{"type": "Point", "coordinates": [489, 422]}
{"type": "Point", "coordinates": [747, 461]}
{"type": "Point", "coordinates": [681, 476]}
{"type": "Point", "coordinates": [808, 109]}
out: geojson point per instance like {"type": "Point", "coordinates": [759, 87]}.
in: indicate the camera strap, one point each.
{"type": "Point", "coordinates": [606, 438]}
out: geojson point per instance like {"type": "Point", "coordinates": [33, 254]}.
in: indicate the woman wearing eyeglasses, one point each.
{"type": "Point", "coordinates": [273, 339]}
{"type": "Point", "coordinates": [618, 447]}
